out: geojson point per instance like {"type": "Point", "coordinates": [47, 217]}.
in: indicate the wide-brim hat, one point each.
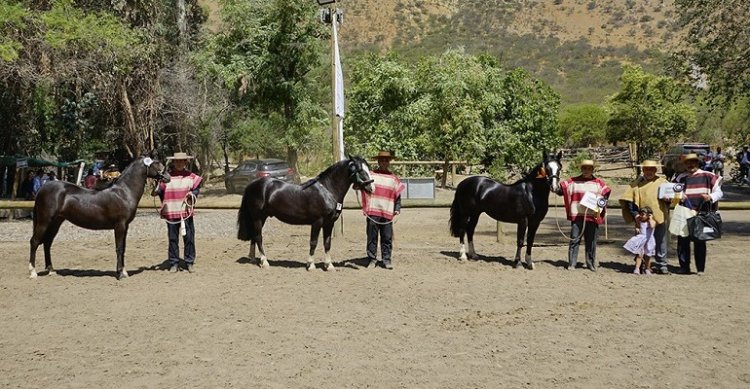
{"type": "Point", "coordinates": [588, 162]}
{"type": "Point", "coordinates": [180, 156]}
{"type": "Point", "coordinates": [691, 156]}
{"type": "Point", "coordinates": [384, 154]}
{"type": "Point", "coordinates": [649, 163]}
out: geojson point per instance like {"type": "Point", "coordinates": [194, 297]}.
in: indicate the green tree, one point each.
{"type": "Point", "coordinates": [582, 125]}
{"type": "Point", "coordinates": [718, 40]}
{"type": "Point", "coordinates": [265, 54]}
{"type": "Point", "coordinates": [453, 106]}
{"type": "Point", "coordinates": [648, 111]}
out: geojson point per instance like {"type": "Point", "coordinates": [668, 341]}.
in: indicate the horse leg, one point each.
{"type": "Point", "coordinates": [258, 239]}
{"type": "Point", "coordinates": [251, 254]}
{"type": "Point", "coordinates": [520, 235]}
{"type": "Point", "coordinates": [121, 234]}
{"type": "Point", "coordinates": [533, 226]}
{"type": "Point", "coordinates": [327, 232]}
{"type": "Point", "coordinates": [470, 227]}
{"type": "Point", "coordinates": [40, 227]}
{"type": "Point", "coordinates": [462, 254]}
{"type": "Point", "coordinates": [314, 234]}
{"type": "Point", "coordinates": [52, 229]}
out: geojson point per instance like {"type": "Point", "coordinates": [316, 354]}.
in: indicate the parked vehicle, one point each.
{"type": "Point", "coordinates": [672, 159]}
{"type": "Point", "coordinates": [252, 169]}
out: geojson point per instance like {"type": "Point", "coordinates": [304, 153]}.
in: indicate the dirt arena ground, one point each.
{"type": "Point", "coordinates": [432, 322]}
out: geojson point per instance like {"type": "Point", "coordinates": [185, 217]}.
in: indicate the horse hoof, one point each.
{"type": "Point", "coordinates": [310, 266]}
{"type": "Point", "coordinates": [33, 274]}
{"type": "Point", "coordinates": [329, 267]}
{"type": "Point", "coordinates": [463, 257]}
{"type": "Point", "coordinates": [530, 265]}
{"type": "Point", "coordinates": [516, 264]}
{"type": "Point", "coordinates": [51, 273]}
{"type": "Point", "coordinates": [264, 265]}
{"type": "Point", "coordinates": [123, 275]}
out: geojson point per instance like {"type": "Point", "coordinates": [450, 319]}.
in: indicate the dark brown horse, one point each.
{"type": "Point", "coordinates": [317, 202]}
{"type": "Point", "coordinates": [524, 203]}
{"type": "Point", "coordinates": [107, 209]}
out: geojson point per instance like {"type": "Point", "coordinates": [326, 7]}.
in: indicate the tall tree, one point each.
{"type": "Point", "coordinates": [582, 125]}
{"type": "Point", "coordinates": [648, 111]}
{"type": "Point", "coordinates": [718, 42]}
{"type": "Point", "coordinates": [265, 53]}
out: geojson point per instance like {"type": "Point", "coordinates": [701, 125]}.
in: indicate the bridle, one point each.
{"type": "Point", "coordinates": [542, 173]}
{"type": "Point", "coordinates": [355, 174]}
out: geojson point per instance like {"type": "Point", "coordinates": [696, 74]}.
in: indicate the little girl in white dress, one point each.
{"type": "Point", "coordinates": [643, 244]}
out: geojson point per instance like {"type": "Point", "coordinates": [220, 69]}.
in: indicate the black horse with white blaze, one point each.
{"type": "Point", "coordinates": [525, 203]}
{"type": "Point", "coordinates": [317, 203]}
{"type": "Point", "coordinates": [108, 209]}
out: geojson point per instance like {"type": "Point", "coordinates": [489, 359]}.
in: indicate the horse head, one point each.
{"type": "Point", "coordinates": [359, 174]}
{"type": "Point", "coordinates": [156, 169]}
{"type": "Point", "coordinates": [550, 170]}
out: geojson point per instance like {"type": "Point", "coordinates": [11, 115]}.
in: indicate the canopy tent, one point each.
{"type": "Point", "coordinates": [8, 160]}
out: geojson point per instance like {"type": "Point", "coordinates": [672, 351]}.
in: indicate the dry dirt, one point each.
{"type": "Point", "coordinates": [432, 322]}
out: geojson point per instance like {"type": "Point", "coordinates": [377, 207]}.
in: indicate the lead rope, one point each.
{"type": "Point", "coordinates": [188, 209]}
{"type": "Point", "coordinates": [393, 221]}
{"type": "Point", "coordinates": [560, 229]}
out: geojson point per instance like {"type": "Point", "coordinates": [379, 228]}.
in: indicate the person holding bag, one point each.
{"type": "Point", "coordinates": [700, 187]}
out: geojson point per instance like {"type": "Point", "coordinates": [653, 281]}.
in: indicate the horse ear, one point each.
{"type": "Point", "coordinates": [559, 156]}
{"type": "Point", "coordinates": [544, 155]}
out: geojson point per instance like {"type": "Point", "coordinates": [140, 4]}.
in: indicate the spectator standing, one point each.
{"type": "Point", "coordinates": [37, 182]}
{"type": "Point", "coordinates": [719, 159]}
{"type": "Point", "coordinates": [90, 180]}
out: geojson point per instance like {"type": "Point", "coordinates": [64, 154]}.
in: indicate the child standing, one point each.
{"type": "Point", "coordinates": [643, 244]}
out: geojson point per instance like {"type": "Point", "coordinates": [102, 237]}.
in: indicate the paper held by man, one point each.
{"type": "Point", "coordinates": [593, 202]}
{"type": "Point", "coordinates": [670, 190]}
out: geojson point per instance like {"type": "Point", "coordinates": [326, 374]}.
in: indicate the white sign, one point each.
{"type": "Point", "coordinates": [669, 190]}
{"type": "Point", "coordinates": [593, 202]}
{"type": "Point", "coordinates": [22, 162]}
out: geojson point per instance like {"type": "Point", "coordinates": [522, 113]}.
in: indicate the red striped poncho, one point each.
{"type": "Point", "coordinates": [696, 185]}
{"type": "Point", "coordinates": [382, 201]}
{"type": "Point", "coordinates": [174, 193]}
{"type": "Point", "coordinates": [573, 190]}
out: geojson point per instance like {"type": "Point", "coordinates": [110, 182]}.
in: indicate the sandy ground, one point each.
{"type": "Point", "coordinates": [432, 322]}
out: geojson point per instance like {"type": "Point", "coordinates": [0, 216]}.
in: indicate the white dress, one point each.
{"type": "Point", "coordinates": [643, 243]}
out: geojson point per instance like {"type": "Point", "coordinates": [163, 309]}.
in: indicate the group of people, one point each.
{"type": "Point", "coordinates": [33, 183]}
{"type": "Point", "coordinates": [642, 205]}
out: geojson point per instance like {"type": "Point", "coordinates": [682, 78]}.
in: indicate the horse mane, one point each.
{"type": "Point", "coordinates": [329, 170]}
{"type": "Point", "coordinates": [529, 175]}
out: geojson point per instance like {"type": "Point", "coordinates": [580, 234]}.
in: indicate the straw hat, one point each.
{"type": "Point", "coordinates": [180, 156]}
{"type": "Point", "coordinates": [587, 162]}
{"type": "Point", "coordinates": [384, 154]}
{"type": "Point", "coordinates": [649, 163]}
{"type": "Point", "coordinates": [690, 156]}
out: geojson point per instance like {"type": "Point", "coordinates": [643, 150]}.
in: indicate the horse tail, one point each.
{"type": "Point", "coordinates": [245, 230]}
{"type": "Point", "coordinates": [458, 220]}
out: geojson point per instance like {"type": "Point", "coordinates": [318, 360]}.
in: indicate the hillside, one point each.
{"type": "Point", "coordinates": [577, 46]}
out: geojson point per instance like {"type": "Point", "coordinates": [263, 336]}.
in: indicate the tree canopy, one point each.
{"type": "Point", "coordinates": [648, 111]}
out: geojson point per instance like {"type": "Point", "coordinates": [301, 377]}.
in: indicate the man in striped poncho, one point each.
{"type": "Point", "coordinates": [380, 207]}
{"type": "Point", "coordinates": [178, 197]}
{"type": "Point", "coordinates": [583, 221]}
{"type": "Point", "coordinates": [701, 187]}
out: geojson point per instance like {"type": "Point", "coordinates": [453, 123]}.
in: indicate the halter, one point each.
{"type": "Point", "coordinates": [355, 176]}
{"type": "Point", "coordinates": [542, 174]}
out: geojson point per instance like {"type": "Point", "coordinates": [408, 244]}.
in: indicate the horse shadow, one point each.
{"type": "Point", "coordinates": [559, 263]}
{"type": "Point", "coordinates": [285, 263]}
{"type": "Point", "coordinates": [483, 258]}
{"type": "Point", "coordinates": [106, 273]}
